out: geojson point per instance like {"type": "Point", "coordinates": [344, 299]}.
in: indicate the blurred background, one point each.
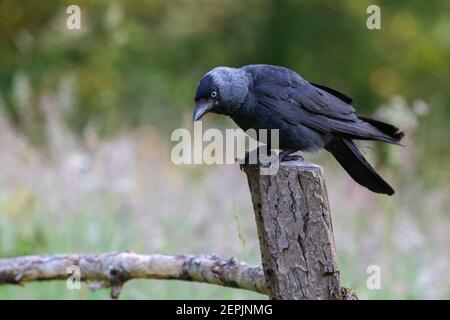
{"type": "Point", "coordinates": [86, 117]}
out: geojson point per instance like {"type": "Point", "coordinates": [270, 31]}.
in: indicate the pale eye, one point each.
{"type": "Point", "coordinates": [213, 94]}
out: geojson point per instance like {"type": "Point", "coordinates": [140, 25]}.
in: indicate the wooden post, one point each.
{"type": "Point", "coordinates": [295, 231]}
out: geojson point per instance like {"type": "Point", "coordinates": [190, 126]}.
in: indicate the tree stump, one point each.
{"type": "Point", "coordinates": [295, 231]}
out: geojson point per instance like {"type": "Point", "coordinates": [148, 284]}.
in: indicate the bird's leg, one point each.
{"type": "Point", "coordinates": [265, 157]}
{"type": "Point", "coordinates": [252, 155]}
{"type": "Point", "coordinates": [286, 155]}
{"type": "Point", "coordinates": [257, 156]}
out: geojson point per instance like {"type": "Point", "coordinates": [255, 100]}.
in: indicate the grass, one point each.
{"type": "Point", "coordinates": [93, 195]}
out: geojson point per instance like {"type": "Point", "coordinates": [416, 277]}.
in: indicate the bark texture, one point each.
{"type": "Point", "coordinates": [295, 231]}
{"type": "Point", "coordinates": [114, 269]}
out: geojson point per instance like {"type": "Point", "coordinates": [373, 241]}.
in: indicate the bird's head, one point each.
{"type": "Point", "coordinates": [222, 90]}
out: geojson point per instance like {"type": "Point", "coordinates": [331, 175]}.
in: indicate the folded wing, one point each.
{"type": "Point", "coordinates": [326, 110]}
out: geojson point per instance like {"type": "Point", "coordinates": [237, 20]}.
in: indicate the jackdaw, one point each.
{"type": "Point", "coordinates": [309, 116]}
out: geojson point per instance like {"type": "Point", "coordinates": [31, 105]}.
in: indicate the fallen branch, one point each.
{"type": "Point", "coordinates": [114, 269]}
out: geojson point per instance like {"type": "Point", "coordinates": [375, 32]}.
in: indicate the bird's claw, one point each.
{"type": "Point", "coordinates": [284, 156]}
{"type": "Point", "coordinates": [292, 157]}
{"type": "Point", "coordinates": [288, 155]}
{"type": "Point", "coordinates": [247, 158]}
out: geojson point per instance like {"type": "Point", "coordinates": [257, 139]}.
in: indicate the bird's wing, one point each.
{"type": "Point", "coordinates": [283, 84]}
{"type": "Point", "coordinates": [335, 93]}
{"type": "Point", "coordinates": [299, 102]}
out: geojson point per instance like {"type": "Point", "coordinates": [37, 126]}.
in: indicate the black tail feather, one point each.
{"type": "Point", "coordinates": [350, 158]}
{"type": "Point", "coordinates": [384, 127]}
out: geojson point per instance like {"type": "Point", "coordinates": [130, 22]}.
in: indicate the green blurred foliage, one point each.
{"type": "Point", "coordinates": [139, 62]}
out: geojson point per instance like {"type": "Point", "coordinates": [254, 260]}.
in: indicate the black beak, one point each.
{"type": "Point", "coordinates": [202, 106]}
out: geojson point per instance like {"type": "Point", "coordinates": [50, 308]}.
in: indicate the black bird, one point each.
{"type": "Point", "coordinates": [309, 116]}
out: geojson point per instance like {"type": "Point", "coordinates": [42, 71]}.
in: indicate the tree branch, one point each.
{"type": "Point", "coordinates": [114, 269]}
